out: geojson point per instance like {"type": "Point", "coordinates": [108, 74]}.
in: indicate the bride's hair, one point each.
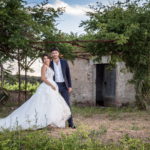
{"type": "Point", "coordinates": [44, 56]}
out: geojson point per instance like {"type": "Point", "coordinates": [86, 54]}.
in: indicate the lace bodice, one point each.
{"type": "Point", "coordinates": [49, 73]}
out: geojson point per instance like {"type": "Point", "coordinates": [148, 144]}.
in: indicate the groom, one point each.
{"type": "Point", "coordinates": [62, 78]}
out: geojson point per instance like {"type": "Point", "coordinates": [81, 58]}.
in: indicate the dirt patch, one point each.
{"type": "Point", "coordinates": [111, 129]}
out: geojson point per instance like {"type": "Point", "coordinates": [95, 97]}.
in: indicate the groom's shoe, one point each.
{"type": "Point", "coordinates": [72, 126]}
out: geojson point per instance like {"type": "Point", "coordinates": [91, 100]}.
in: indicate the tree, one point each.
{"type": "Point", "coordinates": [128, 24]}
{"type": "Point", "coordinates": [21, 26]}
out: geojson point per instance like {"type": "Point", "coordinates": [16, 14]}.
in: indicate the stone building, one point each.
{"type": "Point", "coordinates": [95, 84]}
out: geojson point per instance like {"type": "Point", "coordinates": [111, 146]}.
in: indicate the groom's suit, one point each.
{"type": "Point", "coordinates": [63, 87]}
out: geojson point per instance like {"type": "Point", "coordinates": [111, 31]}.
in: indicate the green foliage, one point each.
{"type": "Point", "coordinates": [143, 94]}
{"type": "Point", "coordinates": [133, 144]}
{"type": "Point", "coordinates": [21, 26]}
{"type": "Point", "coordinates": [79, 140]}
{"type": "Point", "coordinates": [128, 24]}
{"type": "Point", "coordinates": [30, 87]}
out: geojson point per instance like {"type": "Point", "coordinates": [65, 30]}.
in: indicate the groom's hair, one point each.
{"type": "Point", "coordinates": [54, 49]}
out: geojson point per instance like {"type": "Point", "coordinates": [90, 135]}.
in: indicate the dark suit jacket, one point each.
{"type": "Point", "coordinates": [65, 71]}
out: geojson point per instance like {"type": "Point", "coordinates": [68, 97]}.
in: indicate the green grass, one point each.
{"type": "Point", "coordinates": [101, 131]}
{"type": "Point", "coordinates": [112, 112]}
{"type": "Point", "coordinates": [7, 109]}
{"type": "Point", "coordinates": [79, 140]}
{"type": "Point", "coordinates": [134, 127]}
{"type": "Point", "coordinates": [87, 111]}
{"type": "Point", "coordinates": [98, 110]}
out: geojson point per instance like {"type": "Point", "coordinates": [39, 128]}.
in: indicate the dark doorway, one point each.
{"type": "Point", "coordinates": [105, 85]}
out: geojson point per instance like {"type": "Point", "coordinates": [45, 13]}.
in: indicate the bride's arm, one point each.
{"type": "Point", "coordinates": [43, 78]}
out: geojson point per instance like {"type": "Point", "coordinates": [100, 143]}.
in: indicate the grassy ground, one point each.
{"type": "Point", "coordinates": [110, 124]}
{"type": "Point", "coordinates": [126, 128]}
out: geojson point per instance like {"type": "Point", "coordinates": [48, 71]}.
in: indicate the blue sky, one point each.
{"type": "Point", "coordinates": [74, 14]}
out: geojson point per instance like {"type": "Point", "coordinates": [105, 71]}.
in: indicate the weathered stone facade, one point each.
{"type": "Point", "coordinates": [83, 81]}
{"type": "Point", "coordinates": [83, 72]}
{"type": "Point", "coordinates": [125, 91]}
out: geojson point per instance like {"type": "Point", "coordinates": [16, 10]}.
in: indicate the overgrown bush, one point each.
{"type": "Point", "coordinates": [143, 94]}
{"type": "Point", "coordinates": [125, 28]}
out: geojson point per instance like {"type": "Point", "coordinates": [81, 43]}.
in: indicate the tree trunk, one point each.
{"type": "Point", "coordinates": [19, 78]}
{"type": "Point", "coordinates": [26, 69]}
{"type": "Point", "coordinates": [2, 75]}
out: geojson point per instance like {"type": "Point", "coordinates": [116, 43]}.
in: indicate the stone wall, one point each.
{"type": "Point", "coordinates": [125, 91]}
{"type": "Point", "coordinates": [83, 82]}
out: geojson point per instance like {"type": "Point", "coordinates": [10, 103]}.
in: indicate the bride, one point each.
{"type": "Point", "coordinates": [45, 107]}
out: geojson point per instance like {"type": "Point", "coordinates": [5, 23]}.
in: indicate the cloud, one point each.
{"type": "Point", "coordinates": [76, 10]}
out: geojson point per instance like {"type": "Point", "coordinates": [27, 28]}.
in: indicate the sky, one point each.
{"type": "Point", "coordinates": [74, 13]}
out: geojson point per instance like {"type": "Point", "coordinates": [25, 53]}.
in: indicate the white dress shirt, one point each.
{"type": "Point", "coordinates": [58, 72]}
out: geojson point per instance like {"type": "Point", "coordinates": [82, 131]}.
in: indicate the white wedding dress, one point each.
{"type": "Point", "coordinates": [45, 107]}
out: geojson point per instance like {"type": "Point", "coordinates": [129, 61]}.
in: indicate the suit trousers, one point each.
{"type": "Point", "coordinates": [65, 94]}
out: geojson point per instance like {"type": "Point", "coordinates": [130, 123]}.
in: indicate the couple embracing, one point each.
{"type": "Point", "coordinates": [50, 105]}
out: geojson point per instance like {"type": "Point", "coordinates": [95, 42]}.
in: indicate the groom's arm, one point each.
{"type": "Point", "coordinates": [68, 75]}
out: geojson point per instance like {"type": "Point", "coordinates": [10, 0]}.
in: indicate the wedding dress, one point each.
{"type": "Point", "coordinates": [45, 107]}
